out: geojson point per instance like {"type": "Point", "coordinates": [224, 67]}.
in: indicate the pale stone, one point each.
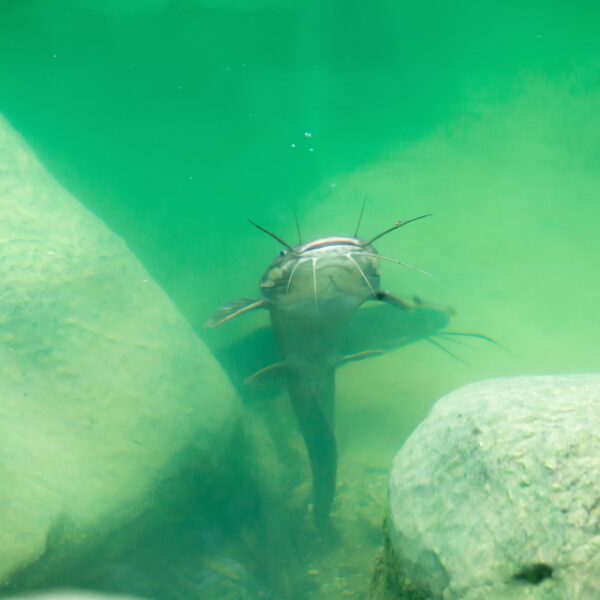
{"type": "Point", "coordinates": [102, 382]}
{"type": "Point", "coordinates": [497, 494]}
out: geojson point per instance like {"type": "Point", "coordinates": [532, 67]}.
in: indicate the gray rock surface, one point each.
{"type": "Point", "coordinates": [102, 383]}
{"type": "Point", "coordinates": [497, 494]}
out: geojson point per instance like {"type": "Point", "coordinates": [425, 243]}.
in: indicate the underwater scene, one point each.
{"type": "Point", "coordinates": [299, 300]}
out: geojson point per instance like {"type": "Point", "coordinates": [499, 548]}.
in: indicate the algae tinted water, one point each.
{"type": "Point", "coordinates": [175, 120]}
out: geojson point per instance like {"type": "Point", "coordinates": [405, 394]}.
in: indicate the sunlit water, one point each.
{"type": "Point", "coordinates": [175, 120]}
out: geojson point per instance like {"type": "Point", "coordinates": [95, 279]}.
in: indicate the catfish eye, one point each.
{"type": "Point", "coordinates": [282, 253]}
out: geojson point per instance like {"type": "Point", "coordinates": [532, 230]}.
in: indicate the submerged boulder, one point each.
{"type": "Point", "coordinates": [103, 385]}
{"type": "Point", "coordinates": [497, 495]}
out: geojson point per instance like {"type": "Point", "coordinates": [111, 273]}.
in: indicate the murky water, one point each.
{"type": "Point", "coordinates": [175, 120]}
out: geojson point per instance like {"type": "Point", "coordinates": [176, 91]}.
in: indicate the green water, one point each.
{"type": "Point", "coordinates": [175, 120]}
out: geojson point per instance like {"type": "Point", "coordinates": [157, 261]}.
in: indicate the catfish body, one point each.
{"type": "Point", "coordinates": [311, 295]}
{"type": "Point", "coordinates": [312, 291]}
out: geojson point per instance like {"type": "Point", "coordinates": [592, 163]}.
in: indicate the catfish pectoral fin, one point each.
{"type": "Point", "coordinates": [273, 369]}
{"type": "Point", "coordinates": [449, 310]}
{"type": "Point", "coordinates": [414, 302]}
{"type": "Point", "coordinates": [360, 356]}
{"type": "Point", "coordinates": [390, 298]}
{"type": "Point", "coordinates": [233, 310]}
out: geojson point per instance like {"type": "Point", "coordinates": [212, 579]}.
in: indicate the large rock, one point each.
{"type": "Point", "coordinates": [497, 495]}
{"type": "Point", "coordinates": [103, 385]}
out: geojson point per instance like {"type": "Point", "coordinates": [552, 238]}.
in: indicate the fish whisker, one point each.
{"type": "Point", "coordinates": [274, 236]}
{"type": "Point", "coordinates": [401, 263]}
{"type": "Point", "coordinates": [294, 268]}
{"type": "Point", "coordinates": [297, 224]}
{"type": "Point", "coordinates": [444, 349]}
{"type": "Point", "coordinates": [452, 340]}
{"type": "Point", "coordinates": [395, 226]}
{"type": "Point", "coordinates": [351, 259]}
{"type": "Point", "coordinates": [314, 270]}
{"type": "Point", "coordinates": [473, 335]}
{"type": "Point", "coordinates": [362, 210]}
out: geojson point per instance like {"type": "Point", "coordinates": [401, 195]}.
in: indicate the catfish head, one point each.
{"type": "Point", "coordinates": [327, 278]}
{"type": "Point", "coordinates": [324, 279]}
